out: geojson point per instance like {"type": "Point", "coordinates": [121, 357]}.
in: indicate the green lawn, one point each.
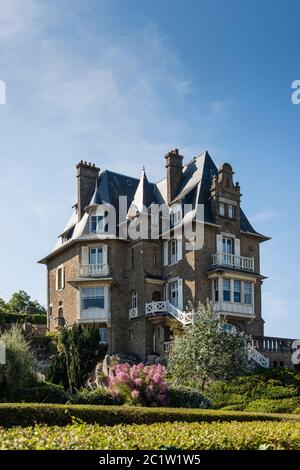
{"type": "Point", "coordinates": [200, 436]}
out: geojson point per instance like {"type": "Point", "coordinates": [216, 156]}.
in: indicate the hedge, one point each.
{"type": "Point", "coordinates": [196, 436]}
{"type": "Point", "coordinates": [180, 396]}
{"type": "Point", "coordinates": [28, 414]}
{"type": "Point", "coordinates": [35, 319]}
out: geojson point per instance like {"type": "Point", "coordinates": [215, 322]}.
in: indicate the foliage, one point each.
{"type": "Point", "coordinates": [98, 396]}
{"type": "Point", "coordinates": [35, 319]}
{"type": "Point", "coordinates": [44, 392]}
{"type": "Point", "coordinates": [265, 384]}
{"type": "Point", "coordinates": [192, 436]}
{"type": "Point", "coordinates": [139, 384]}
{"type": "Point", "coordinates": [205, 351]}
{"type": "Point", "coordinates": [286, 405]}
{"type": "Point", "coordinates": [186, 397]}
{"type": "Point", "coordinates": [78, 352]}
{"type": "Point", "coordinates": [20, 302]}
{"type": "Point", "coordinates": [28, 414]}
{"type": "Point", "coordinates": [17, 373]}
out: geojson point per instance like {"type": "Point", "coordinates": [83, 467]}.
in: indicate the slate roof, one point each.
{"type": "Point", "coordinates": [195, 188]}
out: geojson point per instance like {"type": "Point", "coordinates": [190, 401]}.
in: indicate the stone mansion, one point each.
{"type": "Point", "coordinates": [129, 286]}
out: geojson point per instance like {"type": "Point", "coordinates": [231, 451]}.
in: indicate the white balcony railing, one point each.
{"type": "Point", "coordinates": [167, 347]}
{"type": "Point", "coordinates": [234, 261]}
{"type": "Point", "coordinates": [93, 270]}
{"type": "Point", "coordinates": [165, 307]}
{"type": "Point", "coordinates": [133, 313]}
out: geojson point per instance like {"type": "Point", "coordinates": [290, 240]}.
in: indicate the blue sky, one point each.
{"type": "Point", "coordinates": [120, 83]}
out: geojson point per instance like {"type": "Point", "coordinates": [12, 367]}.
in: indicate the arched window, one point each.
{"type": "Point", "coordinates": [156, 297]}
{"type": "Point", "coordinates": [134, 299]}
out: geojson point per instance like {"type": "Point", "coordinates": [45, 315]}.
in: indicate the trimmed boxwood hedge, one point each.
{"type": "Point", "coordinates": [23, 414]}
{"type": "Point", "coordinates": [193, 436]}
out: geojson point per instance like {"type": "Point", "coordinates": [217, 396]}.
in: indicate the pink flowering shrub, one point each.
{"type": "Point", "coordinates": [139, 384]}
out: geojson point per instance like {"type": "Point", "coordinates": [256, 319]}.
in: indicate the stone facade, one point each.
{"type": "Point", "coordinates": [129, 287]}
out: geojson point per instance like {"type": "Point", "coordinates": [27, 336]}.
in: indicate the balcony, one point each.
{"type": "Point", "coordinates": [233, 261]}
{"type": "Point", "coordinates": [133, 313]}
{"type": "Point", "coordinates": [93, 270]}
{"type": "Point", "coordinates": [233, 308]}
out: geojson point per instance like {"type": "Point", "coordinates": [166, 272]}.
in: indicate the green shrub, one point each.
{"type": "Point", "coordinates": [17, 373]}
{"type": "Point", "coordinates": [286, 405]}
{"type": "Point", "coordinates": [44, 392]}
{"type": "Point", "coordinates": [186, 397]}
{"type": "Point", "coordinates": [267, 384]}
{"type": "Point", "coordinates": [197, 436]}
{"type": "Point", "coordinates": [35, 319]}
{"type": "Point", "coordinates": [28, 414]}
{"type": "Point", "coordinates": [99, 396]}
{"type": "Point", "coordinates": [78, 351]}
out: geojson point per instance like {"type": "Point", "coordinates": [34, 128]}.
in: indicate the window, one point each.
{"type": "Point", "coordinates": [226, 290]}
{"type": "Point", "coordinates": [103, 335]}
{"type": "Point", "coordinates": [130, 335]}
{"type": "Point", "coordinates": [174, 251]}
{"type": "Point", "coordinates": [175, 218]}
{"type": "Point", "coordinates": [92, 297]}
{"type": "Point", "coordinates": [97, 223]}
{"type": "Point", "coordinates": [174, 293]}
{"type": "Point", "coordinates": [222, 209]}
{"type": "Point", "coordinates": [237, 291]}
{"type": "Point", "coordinates": [96, 256]}
{"type": "Point", "coordinates": [229, 328]}
{"type": "Point", "coordinates": [134, 299]}
{"type": "Point", "coordinates": [60, 281]}
{"type": "Point", "coordinates": [231, 211]}
{"type": "Point", "coordinates": [216, 290]}
{"type": "Point", "coordinates": [248, 293]}
{"type": "Point", "coordinates": [227, 245]}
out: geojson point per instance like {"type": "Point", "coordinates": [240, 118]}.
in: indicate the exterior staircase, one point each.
{"type": "Point", "coordinates": [164, 307]}
{"type": "Point", "coordinates": [256, 356]}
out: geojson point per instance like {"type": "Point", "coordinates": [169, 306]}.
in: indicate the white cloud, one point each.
{"type": "Point", "coordinates": [264, 215]}
{"type": "Point", "coordinates": [16, 17]}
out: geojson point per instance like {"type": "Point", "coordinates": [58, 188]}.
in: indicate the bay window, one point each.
{"type": "Point", "coordinates": [237, 291]}
{"type": "Point", "coordinates": [216, 290]}
{"type": "Point", "coordinates": [226, 290]}
{"type": "Point", "coordinates": [248, 293]}
{"type": "Point", "coordinates": [92, 298]}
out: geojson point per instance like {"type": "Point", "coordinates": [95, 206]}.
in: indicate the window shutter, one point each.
{"type": "Point", "coordinates": [180, 294]}
{"type": "Point", "coordinates": [219, 244]}
{"type": "Point", "coordinates": [104, 251]}
{"type": "Point", "coordinates": [237, 247]}
{"type": "Point", "coordinates": [179, 249]}
{"type": "Point", "coordinates": [84, 255]}
{"type": "Point", "coordinates": [166, 257]}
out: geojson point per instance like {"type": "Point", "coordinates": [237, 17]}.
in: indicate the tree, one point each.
{"type": "Point", "coordinates": [17, 372]}
{"type": "Point", "coordinates": [206, 350]}
{"type": "Point", "coordinates": [78, 352]}
{"type": "Point", "coordinates": [21, 302]}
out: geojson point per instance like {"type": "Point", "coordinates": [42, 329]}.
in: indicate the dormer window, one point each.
{"type": "Point", "coordinates": [97, 223]}
{"type": "Point", "coordinates": [231, 211]}
{"type": "Point", "coordinates": [227, 210]}
{"type": "Point", "coordinates": [175, 215]}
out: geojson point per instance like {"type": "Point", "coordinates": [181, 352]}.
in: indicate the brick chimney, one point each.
{"type": "Point", "coordinates": [87, 174]}
{"type": "Point", "coordinates": [174, 173]}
